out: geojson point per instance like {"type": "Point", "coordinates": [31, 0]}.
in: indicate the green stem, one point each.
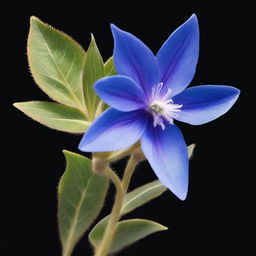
{"type": "Point", "coordinates": [121, 188]}
{"type": "Point", "coordinates": [128, 172]}
{"type": "Point", "coordinates": [114, 217]}
{"type": "Point", "coordinates": [117, 155]}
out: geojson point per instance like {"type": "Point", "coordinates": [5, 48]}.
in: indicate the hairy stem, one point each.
{"type": "Point", "coordinates": [121, 188]}
{"type": "Point", "coordinates": [128, 172]}
{"type": "Point", "coordinates": [114, 217]}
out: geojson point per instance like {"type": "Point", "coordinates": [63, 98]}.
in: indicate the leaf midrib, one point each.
{"type": "Point", "coordinates": [66, 83]}
{"type": "Point", "coordinates": [68, 120]}
{"type": "Point", "coordinates": [68, 244]}
{"type": "Point", "coordinates": [65, 119]}
{"type": "Point", "coordinates": [138, 195]}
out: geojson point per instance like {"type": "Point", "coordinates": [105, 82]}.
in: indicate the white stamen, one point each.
{"type": "Point", "coordinates": [162, 106]}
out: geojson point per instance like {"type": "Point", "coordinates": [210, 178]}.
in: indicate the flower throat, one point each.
{"type": "Point", "coordinates": [162, 106]}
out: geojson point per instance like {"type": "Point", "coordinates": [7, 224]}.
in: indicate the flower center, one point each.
{"type": "Point", "coordinates": [162, 106]}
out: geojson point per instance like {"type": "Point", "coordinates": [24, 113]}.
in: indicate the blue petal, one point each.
{"type": "Point", "coordinates": [113, 130]}
{"type": "Point", "coordinates": [120, 92]}
{"type": "Point", "coordinates": [202, 104]}
{"type": "Point", "coordinates": [134, 59]}
{"type": "Point", "coordinates": [178, 56]}
{"type": "Point", "coordinates": [167, 154]}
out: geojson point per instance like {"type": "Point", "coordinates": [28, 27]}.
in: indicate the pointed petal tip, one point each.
{"type": "Point", "coordinates": [178, 56]}
{"type": "Point", "coordinates": [233, 91]}
{"type": "Point", "coordinates": [181, 193]}
{"type": "Point", "coordinates": [191, 22]}
{"type": "Point", "coordinates": [193, 19]}
{"type": "Point", "coordinates": [170, 166]}
{"type": "Point", "coordinates": [205, 103]}
{"type": "Point", "coordinates": [236, 95]}
{"type": "Point", "coordinates": [116, 31]}
{"type": "Point", "coordinates": [237, 91]}
{"type": "Point", "coordinates": [114, 28]}
{"type": "Point", "coordinates": [134, 59]}
{"type": "Point", "coordinates": [112, 25]}
{"type": "Point", "coordinates": [183, 196]}
{"type": "Point", "coordinates": [193, 16]}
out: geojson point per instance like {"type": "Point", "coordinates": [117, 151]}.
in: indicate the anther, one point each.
{"type": "Point", "coordinates": [162, 106]}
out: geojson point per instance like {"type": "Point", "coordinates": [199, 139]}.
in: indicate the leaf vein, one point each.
{"type": "Point", "coordinates": [140, 194]}
{"type": "Point", "coordinates": [66, 84]}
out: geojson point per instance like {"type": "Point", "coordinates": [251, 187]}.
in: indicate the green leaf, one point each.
{"type": "Point", "coordinates": [191, 149]}
{"type": "Point", "coordinates": [127, 232]}
{"type": "Point", "coordinates": [55, 115]}
{"type": "Point", "coordinates": [56, 62]}
{"type": "Point", "coordinates": [81, 194]}
{"type": "Point", "coordinates": [96, 234]}
{"type": "Point", "coordinates": [132, 200]}
{"type": "Point", "coordinates": [142, 195]}
{"type": "Point", "coordinates": [109, 68]}
{"type": "Point", "coordinates": [93, 70]}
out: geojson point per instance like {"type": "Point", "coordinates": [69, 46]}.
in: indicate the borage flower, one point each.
{"type": "Point", "coordinates": [148, 95]}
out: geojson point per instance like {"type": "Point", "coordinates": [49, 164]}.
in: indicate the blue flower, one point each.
{"type": "Point", "coordinates": [148, 95]}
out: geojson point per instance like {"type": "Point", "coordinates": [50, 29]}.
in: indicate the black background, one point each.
{"type": "Point", "coordinates": [218, 216]}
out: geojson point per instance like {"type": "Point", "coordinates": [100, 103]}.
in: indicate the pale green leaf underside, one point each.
{"type": "Point", "coordinates": [56, 62]}
{"type": "Point", "coordinates": [93, 70]}
{"type": "Point", "coordinates": [55, 115]}
{"type": "Point", "coordinates": [81, 194]}
{"type": "Point", "coordinates": [142, 195]}
{"type": "Point", "coordinates": [191, 149]}
{"type": "Point", "coordinates": [132, 200]}
{"type": "Point", "coordinates": [109, 68]}
{"type": "Point", "coordinates": [127, 232]}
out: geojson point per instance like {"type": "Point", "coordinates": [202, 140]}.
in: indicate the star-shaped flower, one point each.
{"type": "Point", "coordinates": [148, 95]}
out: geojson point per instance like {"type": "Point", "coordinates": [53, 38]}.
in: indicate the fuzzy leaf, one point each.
{"type": "Point", "coordinates": [109, 68]}
{"type": "Point", "coordinates": [127, 232]}
{"type": "Point", "coordinates": [56, 62]}
{"type": "Point", "coordinates": [191, 149]}
{"type": "Point", "coordinates": [142, 195]}
{"type": "Point", "coordinates": [55, 115]}
{"type": "Point", "coordinates": [81, 194]}
{"type": "Point", "coordinates": [132, 200]}
{"type": "Point", "coordinates": [93, 70]}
